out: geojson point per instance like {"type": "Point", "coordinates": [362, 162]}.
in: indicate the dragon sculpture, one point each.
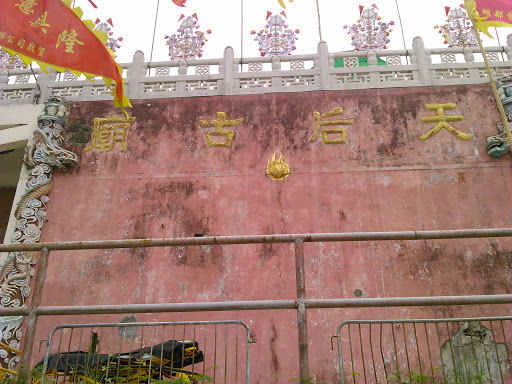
{"type": "Point", "coordinates": [498, 145]}
{"type": "Point", "coordinates": [41, 157]}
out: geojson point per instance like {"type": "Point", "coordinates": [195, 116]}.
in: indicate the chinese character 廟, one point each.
{"type": "Point", "coordinates": [69, 39]}
{"type": "Point", "coordinates": [326, 132]}
{"type": "Point", "coordinates": [442, 121]}
{"type": "Point", "coordinates": [26, 6]}
{"type": "Point", "coordinates": [108, 132]}
{"type": "Point", "coordinates": [40, 22]}
{"type": "Point", "coordinates": [219, 125]}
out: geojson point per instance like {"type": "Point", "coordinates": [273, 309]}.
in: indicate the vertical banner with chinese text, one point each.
{"type": "Point", "coordinates": [490, 13]}
{"type": "Point", "coordinates": [52, 34]}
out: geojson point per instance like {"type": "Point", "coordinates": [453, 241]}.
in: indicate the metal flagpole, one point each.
{"type": "Point", "coordinates": [242, 36]}
{"type": "Point", "coordinates": [154, 31]}
{"type": "Point", "coordinates": [319, 22]}
{"type": "Point", "coordinates": [402, 29]}
{"type": "Point", "coordinates": [493, 85]}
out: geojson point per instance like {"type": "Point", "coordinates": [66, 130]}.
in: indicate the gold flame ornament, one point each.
{"type": "Point", "coordinates": [277, 169]}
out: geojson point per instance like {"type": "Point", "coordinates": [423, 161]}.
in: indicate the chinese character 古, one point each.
{"type": "Point", "coordinates": [326, 132]}
{"type": "Point", "coordinates": [219, 125]}
{"type": "Point", "coordinates": [40, 22]}
{"type": "Point", "coordinates": [108, 132]}
{"type": "Point", "coordinates": [25, 6]}
{"type": "Point", "coordinates": [442, 121]}
{"type": "Point", "coordinates": [69, 39]}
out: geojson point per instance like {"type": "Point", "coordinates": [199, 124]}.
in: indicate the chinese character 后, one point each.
{"type": "Point", "coordinates": [21, 43]}
{"type": "Point", "coordinates": [11, 38]}
{"type": "Point", "coordinates": [40, 51]}
{"type": "Point", "coordinates": [69, 39]}
{"type": "Point", "coordinates": [108, 132]}
{"type": "Point", "coordinates": [40, 22]}
{"type": "Point", "coordinates": [325, 132]}
{"type": "Point", "coordinates": [486, 12]}
{"type": "Point", "coordinates": [219, 124]}
{"type": "Point", "coordinates": [2, 35]}
{"type": "Point", "coordinates": [498, 14]}
{"type": "Point", "coordinates": [509, 15]}
{"type": "Point", "coordinates": [442, 121]}
{"type": "Point", "coordinates": [31, 47]}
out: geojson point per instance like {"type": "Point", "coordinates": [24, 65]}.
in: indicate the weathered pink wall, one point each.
{"type": "Point", "coordinates": [169, 183]}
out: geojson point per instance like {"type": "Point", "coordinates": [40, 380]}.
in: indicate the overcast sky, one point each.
{"type": "Point", "coordinates": [134, 20]}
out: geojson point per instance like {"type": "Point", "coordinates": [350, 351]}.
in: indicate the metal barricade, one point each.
{"type": "Point", "coordinates": [462, 350]}
{"type": "Point", "coordinates": [127, 353]}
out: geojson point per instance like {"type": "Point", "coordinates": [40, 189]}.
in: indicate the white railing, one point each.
{"type": "Point", "coordinates": [232, 76]}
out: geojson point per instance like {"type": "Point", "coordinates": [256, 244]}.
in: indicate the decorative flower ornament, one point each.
{"type": "Point", "coordinates": [457, 32]}
{"type": "Point", "coordinates": [112, 42]}
{"type": "Point", "coordinates": [369, 33]}
{"type": "Point", "coordinates": [9, 62]}
{"type": "Point", "coordinates": [276, 39]}
{"type": "Point", "coordinates": [188, 42]}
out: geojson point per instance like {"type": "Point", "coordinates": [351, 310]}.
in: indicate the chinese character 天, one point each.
{"type": "Point", "coordinates": [442, 121]}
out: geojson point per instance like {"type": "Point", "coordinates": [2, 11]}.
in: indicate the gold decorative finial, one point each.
{"type": "Point", "coordinates": [277, 169]}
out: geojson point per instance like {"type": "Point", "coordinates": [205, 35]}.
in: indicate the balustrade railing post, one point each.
{"type": "Point", "coordinates": [322, 63]}
{"type": "Point", "coordinates": [422, 60]}
{"type": "Point", "coordinates": [372, 66]}
{"type": "Point", "coordinates": [474, 73]}
{"type": "Point", "coordinates": [4, 79]}
{"type": "Point", "coordinates": [181, 85]}
{"type": "Point", "coordinates": [30, 334]}
{"type": "Point", "coordinates": [302, 321]}
{"type": "Point", "coordinates": [44, 79]}
{"type": "Point", "coordinates": [228, 71]}
{"type": "Point", "coordinates": [276, 66]}
{"type": "Point", "coordinates": [134, 74]}
{"type": "Point", "coordinates": [509, 46]}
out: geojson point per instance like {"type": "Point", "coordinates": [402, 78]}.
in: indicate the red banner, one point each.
{"type": "Point", "coordinates": [490, 13]}
{"type": "Point", "coordinates": [50, 33]}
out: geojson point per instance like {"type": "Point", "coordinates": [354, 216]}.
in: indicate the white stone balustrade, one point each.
{"type": "Point", "coordinates": [231, 76]}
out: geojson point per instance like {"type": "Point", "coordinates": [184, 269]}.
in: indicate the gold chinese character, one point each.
{"type": "Point", "coordinates": [31, 47]}
{"type": "Point", "coordinates": [108, 132]}
{"type": "Point", "coordinates": [498, 14]}
{"type": "Point", "coordinates": [219, 124]}
{"type": "Point", "coordinates": [69, 39]}
{"type": "Point", "coordinates": [326, 132]}
{"type": "Point", "coordinates": [26, 6]}
{"type": "Point", "coordinates": [40, 22]}
{"type": "Point", "coordinates": [21, 43]}
{"type": "Point", "coordinates": [486, 12]}
{"type": "Point", "coordinates": [10, 39]}
{"type": "Point", "coordinates": [2, 35]}
{"type": "Point", "coordinates": [509, 15]}
{"type": "Point", "coordinates": [442, 121]}
{"type": "Point", "coordinates": [40, 51]}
